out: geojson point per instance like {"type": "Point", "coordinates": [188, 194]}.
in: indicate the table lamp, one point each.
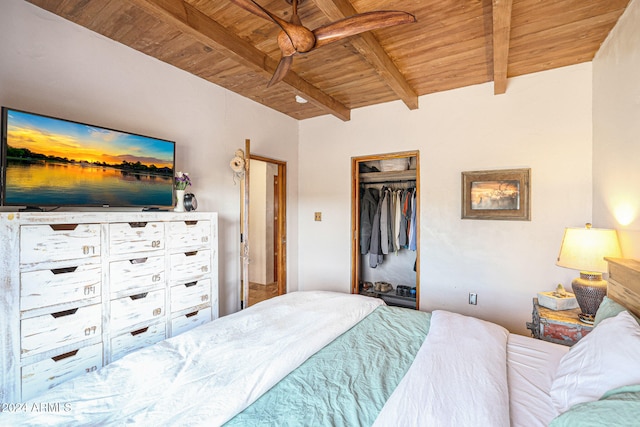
{"type": "Point", "coordinates": [584, 249]}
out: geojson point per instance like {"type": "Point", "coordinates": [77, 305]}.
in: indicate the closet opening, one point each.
{"type": "Point", "coordinates": [385, 218]}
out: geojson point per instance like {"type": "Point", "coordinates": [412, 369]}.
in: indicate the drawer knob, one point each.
{"type": "Point", "coordinates": [63, 227]}
{"type": "Point", "coordinates": [63, 270]}
{"type": "Point", "coordinates": [193, 222]}
{"type": "Point", "coordinates": [139, 296]}
{"type": "Point", "coordinates": [192, 314]}
{"type": "Point", "coordinates": [192, 253]}
{"type": "Point", "coordinates": [140, 331]}
{"type": "Point", "coordinates": [64, 313]}
{"type": "Point", "coordinates": [190, 284]}
{"type": "Point", "coordinates": [140, 224]}
{"type": "Point", "coordinates": [138, 260]}
{"type": "Point", "coordinates": [65, 355]}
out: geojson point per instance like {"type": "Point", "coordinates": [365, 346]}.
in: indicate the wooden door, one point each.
{"type": "Point", "coordinates": [279, 246]}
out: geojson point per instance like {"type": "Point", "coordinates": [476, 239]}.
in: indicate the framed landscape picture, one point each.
{"type": "Point", "coordinates": [496, 194]}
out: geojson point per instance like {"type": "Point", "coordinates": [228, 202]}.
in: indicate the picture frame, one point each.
{"type": "Point", "coordinates": [497, 194]}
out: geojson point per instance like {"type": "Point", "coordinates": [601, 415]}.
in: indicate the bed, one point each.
{"type": "Point", "coordinates": [331, 359]}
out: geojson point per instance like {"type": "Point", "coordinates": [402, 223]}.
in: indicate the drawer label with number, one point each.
{"type": "Point", "coordinates": [189, 266]}
{"type": "Point", "coordinates": [50, 331]}
{"type": "Point", "coordinates": [190, 294]}
{"type": "Point", "coordinates": [53, 286]}
{"type": "Point", "coordinates": [134, 309]}
{"type": "Point", "coordinates": [41, 376]}
{"type": "Point", "coordinates": [136, 273]}
{"type": "Point", "coordinates": [131, 237]}
{"type": "Point", "coordinates": [186, 234]}
{"type": "Point", "coordinates": [58, 242]}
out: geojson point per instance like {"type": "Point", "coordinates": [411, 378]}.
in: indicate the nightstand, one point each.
{"type": "Point", "coordinates": [561, 327]}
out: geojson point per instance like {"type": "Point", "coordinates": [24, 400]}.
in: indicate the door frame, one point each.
{"type": "Point", "coordinates": [355, 215]}
{"type": "Point", "coordinates": [280, 231]}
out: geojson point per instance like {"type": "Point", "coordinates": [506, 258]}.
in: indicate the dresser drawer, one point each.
{"type": "Point", "coordinates": [188, 321]}
{"type": "Point", "coordinates": [50, 331]}
{"type": "Point", "coordinates": [190, 266]}
{"type": "Point", "coordinates": [41, 376]}
{"type": "Point", "coordinates": [53, 286]}
{"type": "Point", "coordinates": [190, 294]}
{"type": "Point", "coordinates": [186, 234]}
{"type": "Point", "coordinates": [59, 242]}
{"type": "Point", "coordinates": [136, 273]}
{"type": "Point", "coordinates": [132, 310]}
{"type": "Point", "coordinates": [128, 237]}
{"type": "Point", "coordinates": [142, 337]}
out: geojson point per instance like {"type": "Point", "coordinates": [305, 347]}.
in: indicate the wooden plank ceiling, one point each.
{"type": "Point", "coordinates": [454, 43]}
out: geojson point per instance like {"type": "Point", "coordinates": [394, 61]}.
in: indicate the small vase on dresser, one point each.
{"type": "Point", "coordinates": [179, 201]}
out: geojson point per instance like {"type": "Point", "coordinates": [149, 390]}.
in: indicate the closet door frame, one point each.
{"type": "Point", "coordinates": [355, 216]}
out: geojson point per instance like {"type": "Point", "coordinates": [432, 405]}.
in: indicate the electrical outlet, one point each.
{"type": "Point", "coordinates": [318, 216]}
{"type": "Point", "coordinates": [473, 298]}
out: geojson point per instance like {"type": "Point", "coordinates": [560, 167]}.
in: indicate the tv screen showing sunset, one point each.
{"type": "Point", "coordinates": [53, 162]}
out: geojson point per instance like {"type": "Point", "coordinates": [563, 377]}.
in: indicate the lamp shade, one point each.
{"type": "Point", "coordinates": [584, 249]}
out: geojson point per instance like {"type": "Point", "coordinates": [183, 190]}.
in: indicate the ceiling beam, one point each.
{"type": "Point", "coordinates": [501, 33]}
{"type": "Point", "coordinates": [372, 51]}
{"type": "Point", "coordinates": [200, 26]}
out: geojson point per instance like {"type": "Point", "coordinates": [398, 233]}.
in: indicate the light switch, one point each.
{"type": "Point", "coordinates": [318, 216]}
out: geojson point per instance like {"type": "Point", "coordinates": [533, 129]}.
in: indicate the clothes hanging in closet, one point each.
{"type": "Point", "coordinates": [368, 205]}
{"type": "Point", "coordinates": [387, 222]}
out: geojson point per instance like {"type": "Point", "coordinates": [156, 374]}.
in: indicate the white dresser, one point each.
{"type": "Point", "coordinates": [80, 290]}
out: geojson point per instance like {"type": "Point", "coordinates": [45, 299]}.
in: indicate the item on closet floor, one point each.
{"type": "Point", "coordinates": [383, 287]}
{"type": "Point", "coordinates": [403, 291]}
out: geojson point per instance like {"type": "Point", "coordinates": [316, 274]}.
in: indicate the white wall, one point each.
{"type": "Point", "coordinates": [616, 131]}
{"type": "Point", "coordinates": [54, 67]}
{"type": "Point", "coordinates": [543, 122]}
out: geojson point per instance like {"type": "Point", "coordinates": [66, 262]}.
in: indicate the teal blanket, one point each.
{"type": "Point", "coordinates": [347, 382]}
{"type": "Point", "coordinates": [617, 408]}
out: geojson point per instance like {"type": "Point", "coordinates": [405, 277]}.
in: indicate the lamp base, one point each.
{"type": "Point", "coordinates": [587, 318]}
{"type": "Point", "coordinates": [590, 290]}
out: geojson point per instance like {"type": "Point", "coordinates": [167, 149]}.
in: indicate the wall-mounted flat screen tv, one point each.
{"type": "Point", "coordinates": [47, 162]}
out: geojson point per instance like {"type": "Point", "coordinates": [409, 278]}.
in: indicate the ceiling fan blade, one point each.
{"type": "Point", "coordinates": [283, 68]}
{"type": "Point", "coordinates": [360, 23]}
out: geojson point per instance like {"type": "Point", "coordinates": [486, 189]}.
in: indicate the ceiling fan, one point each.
{"type": "Point", "coordinates": [295, 38]}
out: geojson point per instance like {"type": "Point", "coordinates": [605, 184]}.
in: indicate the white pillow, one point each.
{"type": "Point", "coordinates": [608, 357]}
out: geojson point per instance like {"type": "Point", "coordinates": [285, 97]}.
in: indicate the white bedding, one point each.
{"type": "Point", "coordinates": [239, 357]}
{"type": "Point", "coordinates": [468, 372]}
{"type": "Point", "coordinates": [458, 378]}
{"type": "Point", "coordinates": [532, 364]}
